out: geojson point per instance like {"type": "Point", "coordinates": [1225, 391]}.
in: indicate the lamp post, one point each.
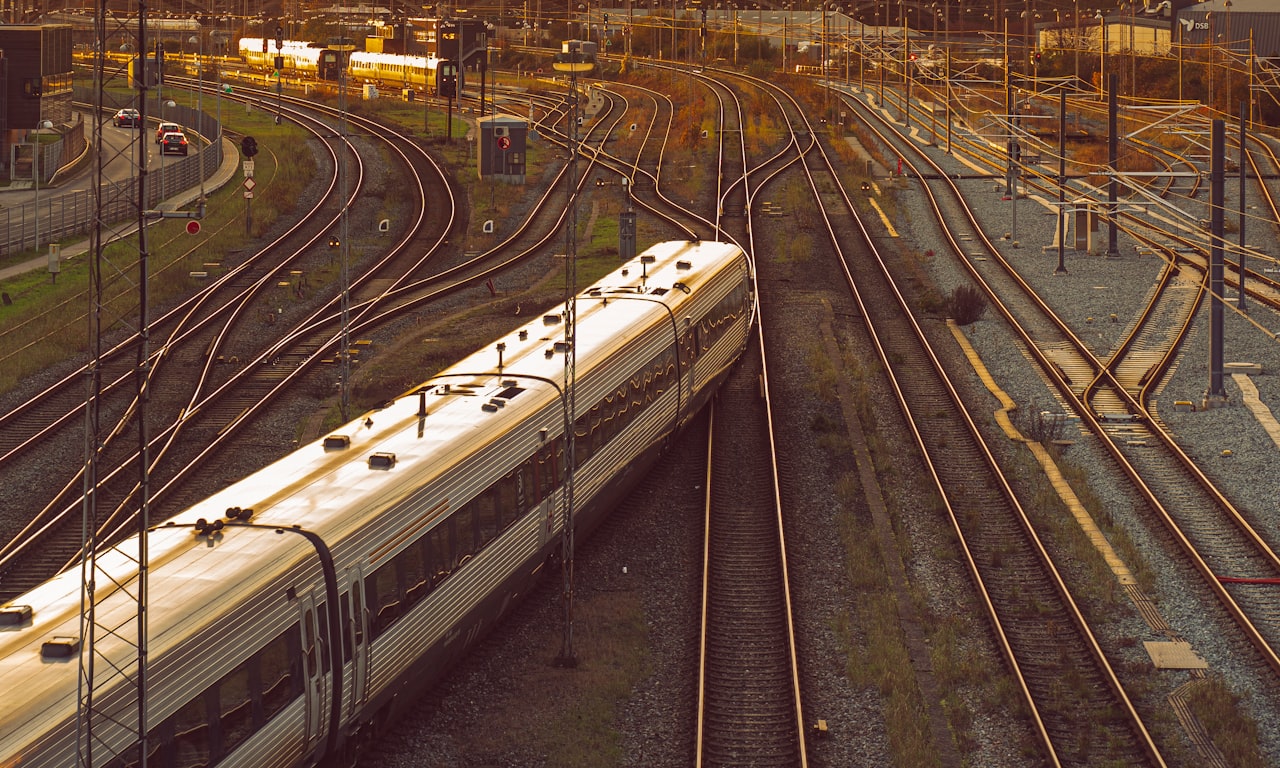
{"type": "Point", "coordinates": [35, 173]}
{"type": "Point", "coordinates": [163, 104]}
{"type": "Point", "coordinates": [198, 39]}
{"type": "Point", "coordinates": [1102, 64]}
{"type": "Point", "coordinates": [1230, 58]}
{"type": "Point", "coordinates": [735, 36]}
{"type": "Point", "coordinates": [1075, 18]}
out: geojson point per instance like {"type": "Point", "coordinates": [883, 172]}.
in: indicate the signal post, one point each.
{"type": "Point", "coordinates": [249, 148]}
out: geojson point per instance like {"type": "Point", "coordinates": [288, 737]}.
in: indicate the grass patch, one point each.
{"type": "Point", "coordinates": [879, 658]}
{"type": "Point", "coordinates": [574, 727]}
{"type": "Point", "coordinates": [1220, 712]}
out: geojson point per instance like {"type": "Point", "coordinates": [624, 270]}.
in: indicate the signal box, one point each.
{"type": "Point", "coordinates": [502, 148]}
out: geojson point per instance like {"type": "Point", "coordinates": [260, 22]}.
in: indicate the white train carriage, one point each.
{"type": "Point", "coordinates": [298, 609]}
{"type": "Point", "coordinates": [300, 58]}
{"type": "Point", "coordinates": [420, 72]}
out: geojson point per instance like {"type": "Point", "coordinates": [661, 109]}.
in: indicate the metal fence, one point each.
{"type": "Point", "coordinates": [66, 215]}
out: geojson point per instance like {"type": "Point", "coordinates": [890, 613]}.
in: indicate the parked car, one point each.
{"type": "Point", "coordinates": [173, 143]}
{"type": "Point", "coordinates": [127, 118]}
{"type": "Point", "coordinates": [164, 128]}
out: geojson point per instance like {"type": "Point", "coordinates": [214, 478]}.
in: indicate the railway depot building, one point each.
{"type": "Point", "coordinates": [1245, 27]}
{"type": "Point", "coordinates": [36, 70]}
{"type": "Point", "coordinates": [1250, 27]}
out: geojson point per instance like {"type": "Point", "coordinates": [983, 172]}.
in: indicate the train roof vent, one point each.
{"type": "Point", "coordinates": [15, 615]}
{"type": "Point", "coordinates": [511, 391]}
{"type": "Point", "coordinates": [684, 264]}
{"type": "Point", "coordinates": [337, 442]}
{"type": "Point", "coordinates": [550, 319]}
{"type": "Point", "coordinates": [60, 647]}
{"type": "Point", "coordinates": [382, 460]}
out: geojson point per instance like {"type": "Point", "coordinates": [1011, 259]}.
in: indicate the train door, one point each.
{"type": "Point", "coordinates": [547, 478]}
{"type": "Point", "coordinates": [356, 650]}
{"type": "Point", "coordinates": [313, 669]}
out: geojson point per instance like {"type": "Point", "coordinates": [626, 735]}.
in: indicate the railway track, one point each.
{"type": "Point", "coordinates": [749, 708]}
{"type": "Point", "coordinates": [1029, 605]}
{"type": "Point", "coordinates": [1114, 397]}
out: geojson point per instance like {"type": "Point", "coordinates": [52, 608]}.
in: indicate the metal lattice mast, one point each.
{"type": "Point", "coordinates": [344, 355]}
{"type": "Point", "coordinates": [104, 731]}
{"type": "Point", "coordinates": [567, 655]}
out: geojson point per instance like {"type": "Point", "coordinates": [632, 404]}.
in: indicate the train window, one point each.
{"type": "Point", "coordinates": [235, 708]}
{"type": "Point", "coordinates": [157, 740]}
{"type": "Point", "coordinates": [526, 487]}
{"type": "Point", "coordinates": [438, 557]}
{"type": "Point", "coordinates": [506, 493]}
{"type": "Point", "coordinates": [559, 464]}
{"type": "Point", "coordinates": [278, 666]}
{"type": "Point", "coordinates": [548, 478]}
{"type": "Point", "coordinates": [464, 535]}
{"type": "Point", "coordinates": [413, 573]}
{"type": "Point", "coordinates": [383, 593]}
{"type": "Point", "coordinates": [486, 513]}
{"type": "Point", "coordinates": [191, 736]}
{"type": "Point", "coordinates": [584, 447]}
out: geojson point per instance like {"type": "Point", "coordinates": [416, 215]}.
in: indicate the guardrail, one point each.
{"type": "Point", "coordinates": [66, 215]}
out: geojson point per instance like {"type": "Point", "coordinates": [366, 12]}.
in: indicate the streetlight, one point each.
{"type": "Point", "coordinates": [163, 104]}
{"type": "Point", "coordinates": [35, 173]}
{"type": "Point", "coordinates": [1102, 66]}
{"type": "Point", "coordinates": [198, 39]}
{"type": "Point", "coordinates": [1075, 17]}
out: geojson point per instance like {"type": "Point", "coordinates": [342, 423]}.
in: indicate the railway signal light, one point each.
{"type": "Point", "coordinates": [249, 146]}
{"type": "Point", "coordinates": [279, 38]}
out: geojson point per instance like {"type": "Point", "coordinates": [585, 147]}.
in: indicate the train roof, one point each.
{"type": "Point", "coordinates": [333, 492]}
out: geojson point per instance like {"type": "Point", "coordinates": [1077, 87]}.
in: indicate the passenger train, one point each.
{"type": "Point", "coordinates": [298, 610]}
{"type": "Point", "coordinates": [305, 59]}
{"type": "Point", "coordinates": [299, 57]}
{"type": "Point", "coordinates": [435, 76]}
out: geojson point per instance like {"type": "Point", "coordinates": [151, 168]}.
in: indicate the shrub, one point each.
{"type": "Point", "coordinates": [966, 304]}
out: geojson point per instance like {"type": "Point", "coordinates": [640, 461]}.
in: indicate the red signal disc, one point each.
{"type": "Point", "coordinates": [193, 227]}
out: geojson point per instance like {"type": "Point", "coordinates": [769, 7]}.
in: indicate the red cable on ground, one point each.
{"type": "Point", "coordinates": [1242, 580]}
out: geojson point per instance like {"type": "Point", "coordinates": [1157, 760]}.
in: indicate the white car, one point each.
{"type": "Point", "coordinates": [164, 128]}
